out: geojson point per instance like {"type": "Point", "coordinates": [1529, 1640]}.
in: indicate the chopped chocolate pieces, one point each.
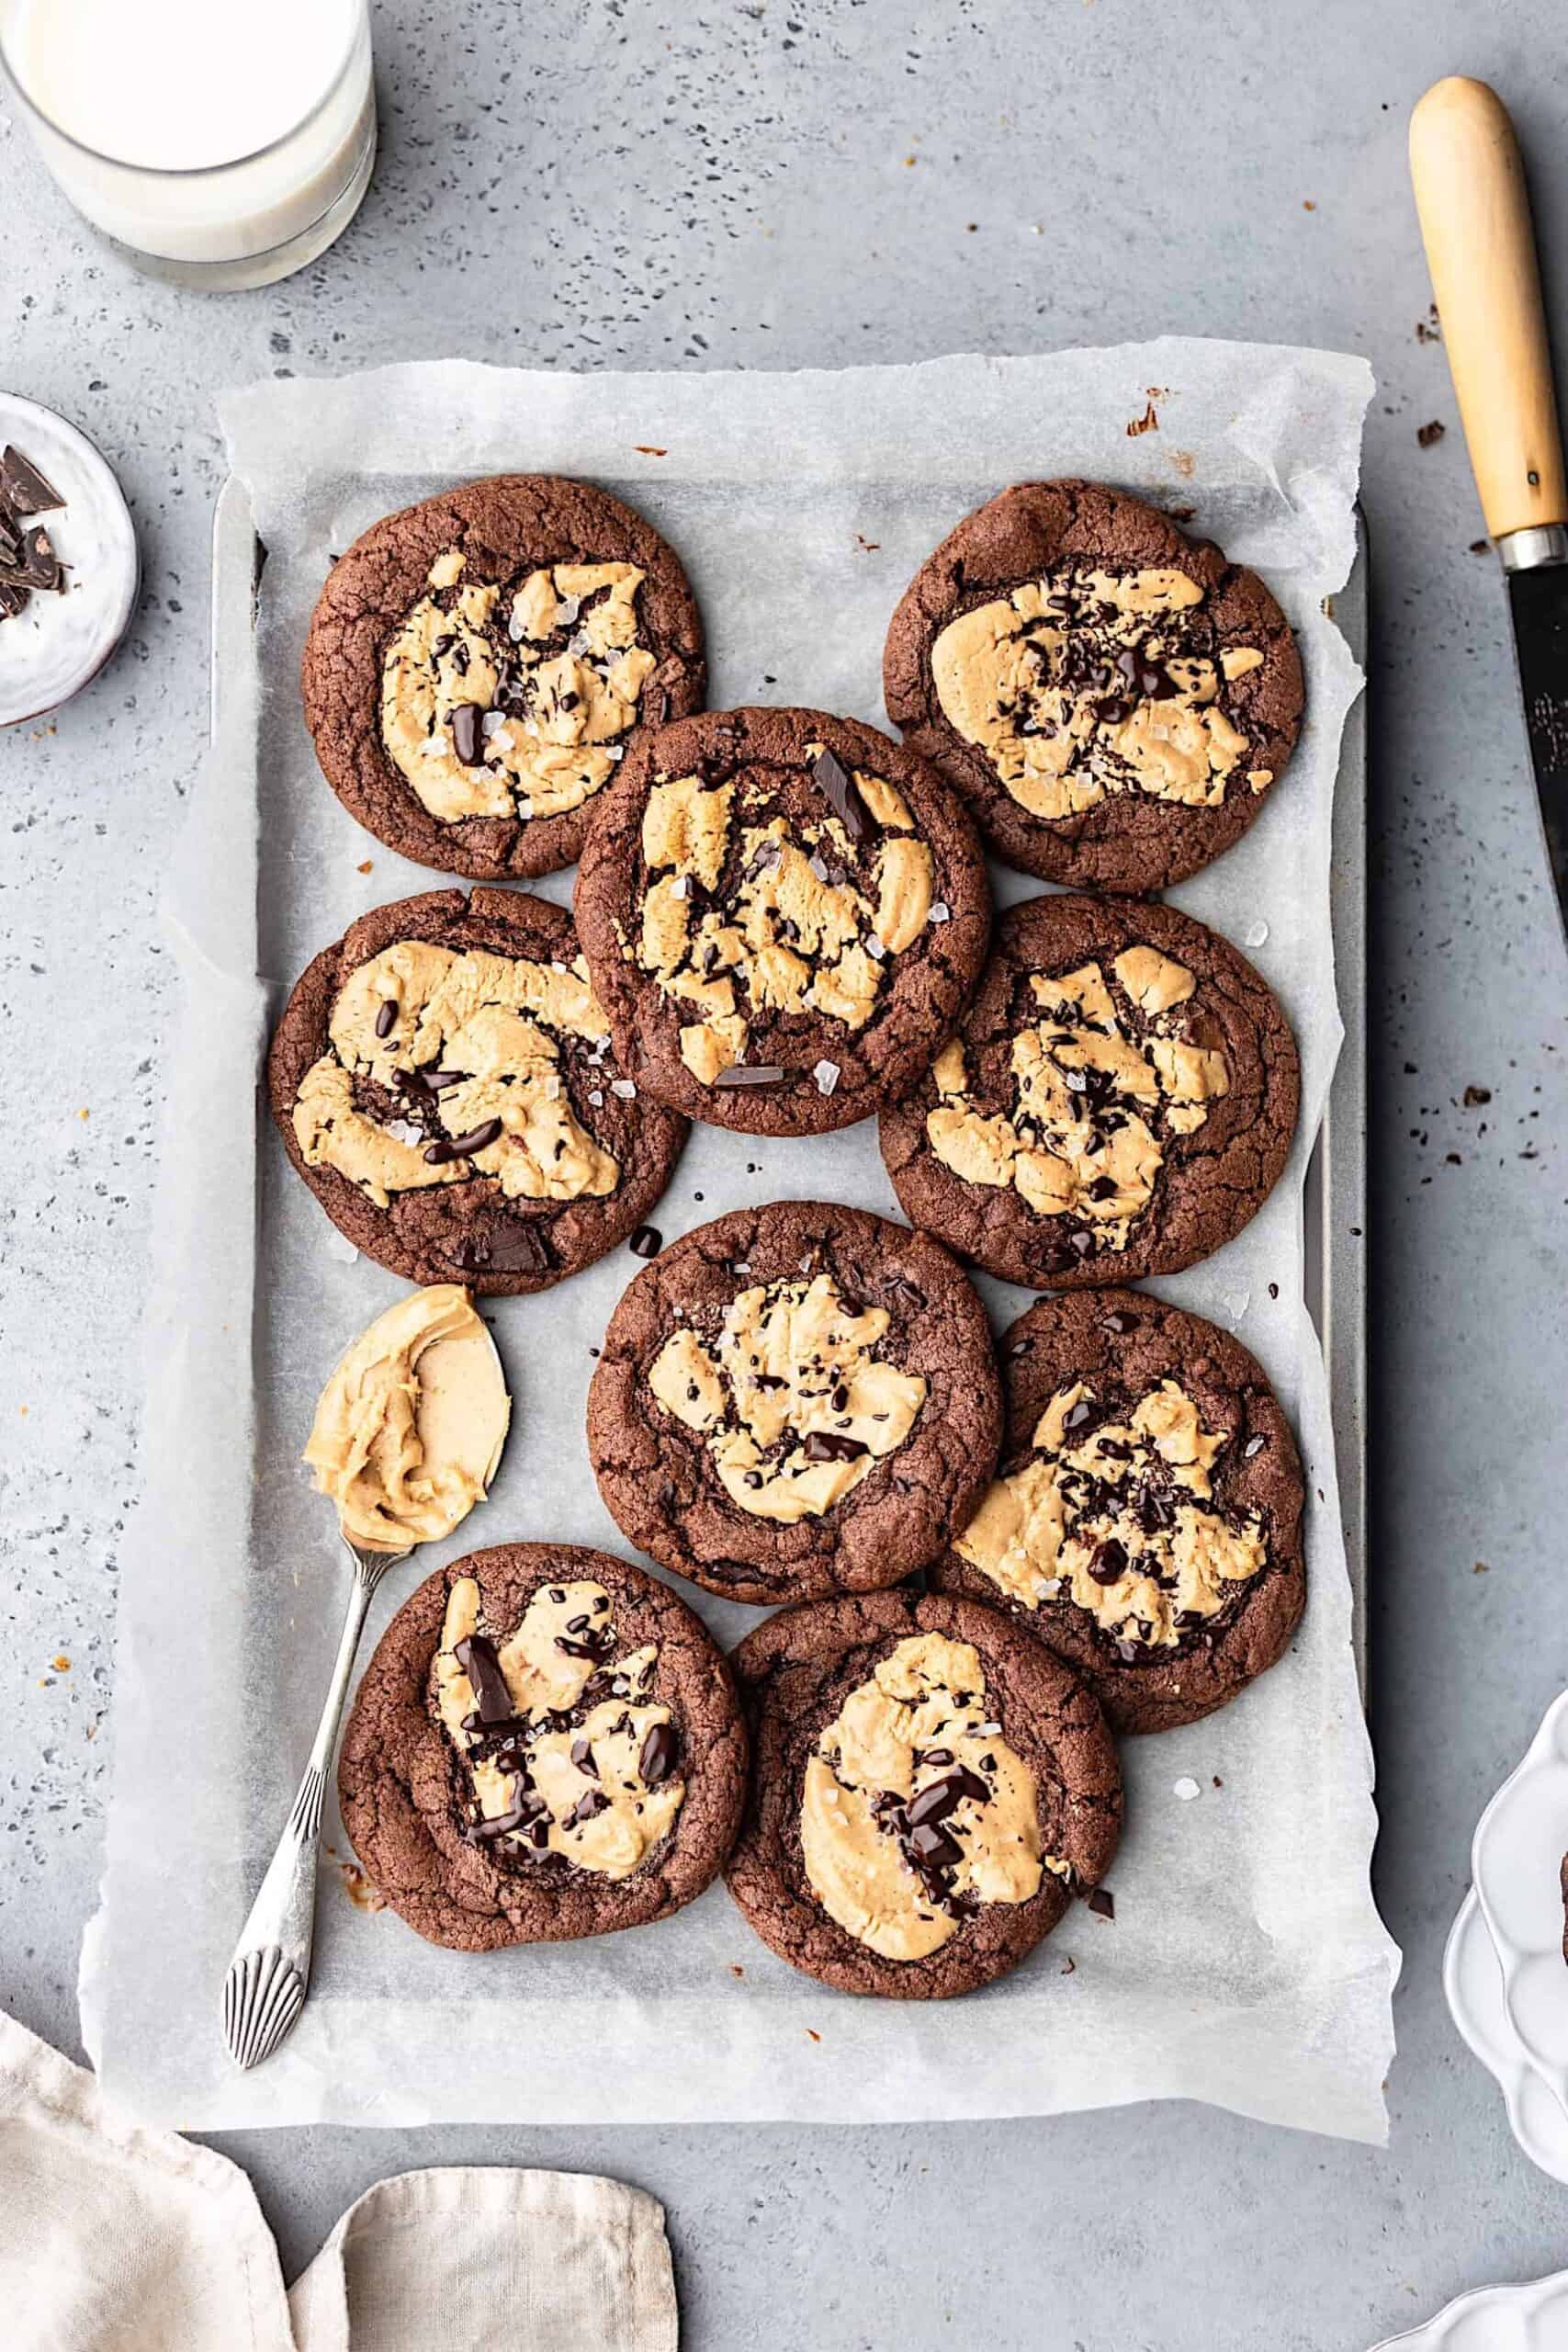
{"type": "Point", "coordinates": [838, 788]}
{"type": "Point", "coordinates": [40, 566]}
{"type": "Point", "coordinates": [27, 557]}
{"type": "Point", "coordinates": [386, 1017]}
{"type": "Point", "coordinates": [1102, 1903]}
{"type": "Point", "coordinates": [23, 488]}
{"type": "Point", "coordinates": [753, 1074]}
{"type": "Point", "coordinates": [645, 1242]}
{"type": "Point", "coordinates": [658, 1755]}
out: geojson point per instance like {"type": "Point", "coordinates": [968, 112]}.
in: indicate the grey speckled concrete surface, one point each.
{"type": "Point", "coordinates": [851, 182]}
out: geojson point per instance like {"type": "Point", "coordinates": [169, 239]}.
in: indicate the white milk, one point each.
{"type": "Point", "coordinates": [228, 140]}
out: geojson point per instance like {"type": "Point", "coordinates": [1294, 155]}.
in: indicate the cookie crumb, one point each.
{"type": "Point", "coordinates": [1428, 436]}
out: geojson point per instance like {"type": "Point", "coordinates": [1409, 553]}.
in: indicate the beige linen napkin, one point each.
{"type": "Point", "coordinates": [115, 2239]}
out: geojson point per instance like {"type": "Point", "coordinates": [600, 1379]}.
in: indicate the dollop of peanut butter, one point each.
{"type": "Point", "coordinates": [409, 1427]}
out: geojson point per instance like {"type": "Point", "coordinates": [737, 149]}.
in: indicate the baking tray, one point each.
{"type": "Point", "coordinates": [1336, 1190]}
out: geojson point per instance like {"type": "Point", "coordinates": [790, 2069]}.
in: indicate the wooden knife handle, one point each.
{"type": "Point", "coordinates": [1475, 220]}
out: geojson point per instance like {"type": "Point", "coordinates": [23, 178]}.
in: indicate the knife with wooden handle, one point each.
{"type": "Point", "coordinates": [1475, 222]}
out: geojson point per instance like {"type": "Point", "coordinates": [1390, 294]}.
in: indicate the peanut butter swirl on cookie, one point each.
{"type": "Point", "coordinates": [513, 701]}
{"type": "Point", "coordinates": [751, 911]}
{"type": "Point", "coordinates": [1103, 1075]}
{"type": "Point", "coordinates": [783, 912]}
{"type": "Point", "coordinates": [915, 1811]}
{"type": "Point", "coordinates": [788, 1390]}
{"type": "Point", "coordinates": [445, 1066]}
{"type": "Point", "coordinates": [564, 1754]}
{"type": "Point", "coordinates": [1087, 683]}
{"type": "Point", "coordinates": [1114, 1509]}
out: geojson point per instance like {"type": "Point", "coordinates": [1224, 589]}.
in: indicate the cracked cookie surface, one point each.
{"type": "Point", "coordinates": [443, 1080]}
{"type": "Point", "coordinates": [1119, 1100]}
{"type": "Point", "coordinates": [793, 1401]}
{"type": "Point", "coordinates": [930, 1789]}
{"type": "Point", "coordinates": [1146, 1523]}
{"type": "Point", "coordinates": [783, 912]}
{"type": "Point", "coordinates": [1114, 700]}
{"type": "Point", "coordinates": [479, 665]}
{"type": "Point", "coordinates": [545, 1745]}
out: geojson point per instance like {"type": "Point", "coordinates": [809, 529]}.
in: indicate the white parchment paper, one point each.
{"type": "Point", "coordinates": [1245, 1964]}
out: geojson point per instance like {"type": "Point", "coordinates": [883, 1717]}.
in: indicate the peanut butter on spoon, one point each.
{"type": "Point", "coordinates": [409, 1427]}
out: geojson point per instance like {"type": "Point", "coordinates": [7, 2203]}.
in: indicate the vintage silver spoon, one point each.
{"type": "Point", "coordinates": [270, 1972]}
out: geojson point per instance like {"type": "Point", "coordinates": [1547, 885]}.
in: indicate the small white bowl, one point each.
{"type": "Point", "coordinates": [1516, 1862]}
{"type": "Point", "coordinates": [50, 650]}
{"type": "Point", "coordinates": [1529, 2318]}
{"type": "Point", "coordinates": [1473, 1981]}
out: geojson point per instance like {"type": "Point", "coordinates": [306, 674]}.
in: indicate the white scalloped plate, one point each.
{"type": "Point", "coordinates": [1473, 1981]}
{"type": "Point", "coordinates": [50, 651]}
{"type": "Point", "coordinates": [1529, 2318]}
{"type": "Point", "coordinates": [1516, 1861]}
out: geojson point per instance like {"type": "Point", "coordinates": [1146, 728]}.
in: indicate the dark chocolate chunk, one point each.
{"type": "Point", "coordinates": [24, 488]}
{"type": "Point", "coordinates": [386, 1017]}
{"type": "Point", "coordinates": [658, 1755]}
{"type": "Point", "coordinates": [1102, 1903]}
{"type": "Point", "coordinates": [492, 1694]}
{"type": "Point", "coordinates": [751, 1074]}
{"type": "Point", "coordinates": [828, 1445]}
{"type": "Point", "coordinates": [463, 1146]}
{"type": "Point", "coordinates": [509, 1246]}
{"type": "Point", "coordinates": [647, 1242]}
{"type": "Point", "coordinates": [840, 790]}
{"type": "Point", "coordinates": [468, 736]}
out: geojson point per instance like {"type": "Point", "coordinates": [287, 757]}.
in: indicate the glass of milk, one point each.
{"type": "Point", "coordinates": [219, 143]}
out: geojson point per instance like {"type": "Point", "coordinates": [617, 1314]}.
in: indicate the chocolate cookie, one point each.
{"type": "Point", "coordinates": [795, 1401]}
{"type": "Point", "coordinates": [479, 664]}
{"type": "Point", "coordinates": [782, 913]}
{"type": "Point", "coordinates": [443, 1078]}
{"type": "Point", "coordinates": [931, 1790]}
{"type": "Point", "coordinates": [1113, 698]}
{"type": "Point", "coordinates": [1119, 1100]}
{"type": "Point", "coordinates": [1146, 1524]}
{"type": "Point", "coordinates": [545, 1745]}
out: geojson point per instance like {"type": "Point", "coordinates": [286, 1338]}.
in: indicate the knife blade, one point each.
{"type": "Point", "coordinates": [1538, 600]}
{"type": "Point", "coordinates": [1475, 222]}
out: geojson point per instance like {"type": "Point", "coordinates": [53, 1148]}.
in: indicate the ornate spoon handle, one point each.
{"type": "Point", "coordinates": [270, 1972]}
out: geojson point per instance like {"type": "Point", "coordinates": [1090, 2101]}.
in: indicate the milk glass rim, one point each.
{"type": "Point", "coordinates": [360, 23]}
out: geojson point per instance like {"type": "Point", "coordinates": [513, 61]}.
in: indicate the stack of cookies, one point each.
{"type": "Point", "coordinates": [986, 1560]}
